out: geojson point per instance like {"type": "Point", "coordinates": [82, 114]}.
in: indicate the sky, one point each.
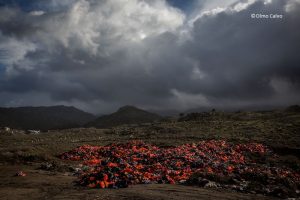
{"type": "Point", "coordinates": [158, 55]}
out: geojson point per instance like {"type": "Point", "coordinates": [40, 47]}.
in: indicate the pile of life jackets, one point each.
{"type": "Point", "coordinates": [136, 162]}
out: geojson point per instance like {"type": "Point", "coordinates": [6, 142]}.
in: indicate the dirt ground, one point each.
{"type": "Point", "coordinates": [20, 151]}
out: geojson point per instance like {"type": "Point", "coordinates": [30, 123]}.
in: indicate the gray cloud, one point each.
{"type": "Point", "coordinates": [101, 55]}
{"type": "Point", "coordinates": [241, 56]}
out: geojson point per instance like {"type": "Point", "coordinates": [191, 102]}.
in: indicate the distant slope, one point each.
{"type": "Point", "coordinates": [125, 115]}
{"type": "Point", "coordinates": [293, 108]}
{"type": "Point", "coordinates": [44, 118]}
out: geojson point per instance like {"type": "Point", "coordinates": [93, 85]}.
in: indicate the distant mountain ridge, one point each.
{"type": "Point", "coordinates": [44, 117]}
{"type": "Point", "coordinates": [125, 115]}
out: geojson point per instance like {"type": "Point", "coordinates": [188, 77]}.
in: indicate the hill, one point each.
{"type": "Point", "coordinates": [293, 108]}
{"type": "Point", "coordinates": [44, 118]}
{"type": "Point", "coordinates": [125, 115]}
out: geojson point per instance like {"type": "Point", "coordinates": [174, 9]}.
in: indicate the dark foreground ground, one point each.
{"type": "Point", "coordinates": [19, 151]}
{"type": "Point", "coordinates": [39, 184]}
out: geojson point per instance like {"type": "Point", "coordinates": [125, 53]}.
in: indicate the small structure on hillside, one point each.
{"type": "Point", "coordinates": [33, 132]}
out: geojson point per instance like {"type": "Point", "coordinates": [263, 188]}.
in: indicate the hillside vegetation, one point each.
{"type": "Point", "coordinates": [125, 115]}
{"type": "Point", "coordinates": [43, 118]}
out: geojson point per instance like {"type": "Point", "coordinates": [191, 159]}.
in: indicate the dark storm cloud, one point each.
{"type": "Point", "coordinates": [148, 54]}
{"type": "Point", "coordinates": [241, 55]}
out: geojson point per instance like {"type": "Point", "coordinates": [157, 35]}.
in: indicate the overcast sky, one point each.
{"type": "Point", "coordinates": [156, 54]}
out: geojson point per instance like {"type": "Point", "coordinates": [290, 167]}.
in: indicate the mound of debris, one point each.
{"type": "Point", "coordinates": [206, 163]}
